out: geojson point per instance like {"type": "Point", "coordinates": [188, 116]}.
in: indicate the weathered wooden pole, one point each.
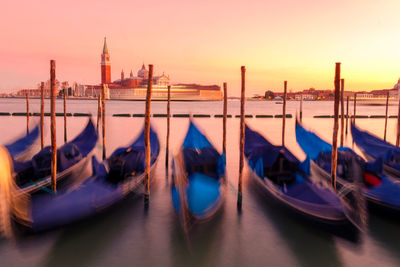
{"type": "Point", "coordinates": [386, 114]}
{"type": "Point", "coordinates": [301, 107]}
{"type": "Point", "coordinates": [42, 115]}
{"type": "Point", "coordinates": [65, 116]}
{"type": "Point", "coordinates": [53, 125]}
{"type": "Point", "coordinates": [398, 125]}
{"type": "Point", "coordinates": [225, 112]}
{"type": "Point", "coordinates": [355, 108]}
{"type": "Point", "coordinates": [147, 137]}
{"type": "Point", "coordinates": [242, 132]}
{"type": "Point", "coordinates": [98, 112]}
{"type": "Point", "coordinates": [168, 125]}
{"type": "Point", "coordinates": [347, 114]}
{"type": "Point", "coordinates": [103, 118]}
{"type": "Point", "coordinates": [335, 125]}
{"type": "Point", "coordinates": [284, 112]}
{"type": "Point", "coordinates": [27, 113]}
{"type": "Point", "coordinates": [342, 111]}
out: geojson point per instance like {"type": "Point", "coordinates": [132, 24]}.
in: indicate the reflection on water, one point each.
{"type": "Point", "coordinates": [261, 235]}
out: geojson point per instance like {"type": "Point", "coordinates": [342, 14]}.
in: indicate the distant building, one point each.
{"type": "Point", "coordinates": [134, 87]}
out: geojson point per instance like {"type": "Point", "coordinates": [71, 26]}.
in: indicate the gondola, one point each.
{"type": "Point", "coordinates": [276, 172]}
{"type": "Point", "coordinates": [375, 148]}
{"type": "Point", "coordinates": [72, 158]}
{"type": "Point", "coordinates": [22, 148]}
{"type": "Point", "coordinates": [112, 180]}
{"type": "Point", "coordinates": [381, 193]}
{"type": "Point", "coordinates": [198, 179]}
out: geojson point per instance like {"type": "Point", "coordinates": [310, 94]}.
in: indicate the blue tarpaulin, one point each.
{"type": "Point", "coordinates": [256, 147]}
{"type": "Point", "coordinates": [376, 147]}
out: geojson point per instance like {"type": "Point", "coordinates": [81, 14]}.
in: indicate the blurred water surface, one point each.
{"type": "Point", "coordinates": [260, 235]}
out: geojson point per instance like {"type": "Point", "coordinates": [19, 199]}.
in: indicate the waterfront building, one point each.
{"type": "Point", "coordinates": [134, 87]}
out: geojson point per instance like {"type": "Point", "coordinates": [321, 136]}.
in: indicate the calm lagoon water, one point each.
{"type": "Point", "coordinates": [260, 235]}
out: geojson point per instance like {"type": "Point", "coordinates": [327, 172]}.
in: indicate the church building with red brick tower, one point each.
{"type": "Point", "coordinates": [135, 87]}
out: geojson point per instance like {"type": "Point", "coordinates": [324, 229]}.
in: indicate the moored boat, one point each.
{"type": "Point", "coordinates": [72, 158]}
{"type": "Point", "coordinates": [198, 179]}
{"type": "Point", "coordinates": [283, 178]}
{"type": "Point", "coordinates": [379, 191]}
{"type": "Point", "coordinates": [119, 175]}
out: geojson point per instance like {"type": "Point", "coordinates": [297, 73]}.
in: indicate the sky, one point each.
{"type": "Point", "coordinates": [204, 42]}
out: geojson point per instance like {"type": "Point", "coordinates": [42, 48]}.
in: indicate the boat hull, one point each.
{"type": "Point", "coordinates": [373, 203]}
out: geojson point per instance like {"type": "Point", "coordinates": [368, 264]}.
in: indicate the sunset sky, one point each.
{"type": "Point", "coordinates": [205, 41]}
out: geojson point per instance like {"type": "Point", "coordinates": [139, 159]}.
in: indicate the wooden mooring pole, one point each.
{"type": "Point", "coordinates": [147, 137]}
{"type": "Point", "coordinates": [53, 125]}
{"type": "Point", "coordinates": [168, 125]}
{"type": "Point", "coordinates": [98, 112]}
{"type": "Point", "coordinates": [242, 132]}
{"type": "Point", "coordinates": [27, 113]}
{"type": "Point", "coordinates": [65, 116]}
{"type": "Point", "coordinates": [347, 114]}
{"type": "Point", "coordinates": [335, 125]}
{"type": "Point", "coordinates": [225, 112]}
{"type": "Point", "coordinates": [342, 111]}
{"type": "Point", "coordinates": [284, 112]}
{"type": "Point", "coordinates": [398, 125]}
{"type": "Point", "coordinates": [386, 115]}
{"type": "Point", "coordinates": [301, 107]}
{"type": "Point", "coordinates": [355, 108]}
{"type": "Point", "coordinates": [42, 115]}
{"type": "Point", "coordinates": [103, 118]}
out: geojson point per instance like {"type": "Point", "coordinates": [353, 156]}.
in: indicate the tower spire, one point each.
{"type": "Point", "coordinates": [105, 48]}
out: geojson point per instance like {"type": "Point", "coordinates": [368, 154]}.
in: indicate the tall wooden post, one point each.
{"type": "Point", "coordinates": [42, 115]}
{"type": "Point", "coordinates": [342, 111]}
{"type": "Point", "coordinates": [386, 114]}
{"type": "Point", "coordinates": [98, 112]}
{"type": "Point", "coordinates": [103, 118]}
{"type": "Point", "coordinates": [242, 132]}
{"type": "Point", "coordinates": [168, 125]}
{"type": "Point", "coordinates": [27, 113]}
{"type": "Point", "coordinates": [147, 137]}
{"type": "Point", "coordinates": [335, 125]}
{"type": "Point", "coordinates": [398, 125]}
{"type": "Point", "coordinates": [53, 125]}
{"type": "Point", "coordinates": [355, 107]}
{"type": "Point", "coordinates": [65, 116]}
{"type": "Point", "coordinates": [225, 112]}
{"type": "Point", "coordinates": [301, 107]}
{"type": "Point", "coordinates": [347, 114]}
{"type": "Point", "coordinates": [284, 112]}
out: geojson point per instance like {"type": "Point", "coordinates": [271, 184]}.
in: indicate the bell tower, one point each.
{"type": "Point", "coordinates": [105, 65]}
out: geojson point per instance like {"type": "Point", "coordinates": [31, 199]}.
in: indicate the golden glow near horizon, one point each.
{"type": "Point", "coordinates": [205, 42]}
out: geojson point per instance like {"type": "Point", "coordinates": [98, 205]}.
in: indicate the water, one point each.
{"type": "Point", "coordinates": [259, 236]}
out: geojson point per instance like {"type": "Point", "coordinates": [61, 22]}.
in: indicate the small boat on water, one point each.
{"type": "Point", "coordinates": [119, 175]}
{"type": "Point", "coordinates": [380, 192]}
{"type": "Point", "coordinates": [283, 178]}
{"type": "Point", "coordinates": [22, 149]}
{"type": "Point", "coordinates": [72, 158]}
{"type": "Point", "coordinates": [198, 179]}
{"type": "Point", "coordinates": [375, 148]}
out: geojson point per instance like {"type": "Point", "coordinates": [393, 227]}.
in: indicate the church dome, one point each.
{"type": "Point", "coordinates": [143, 73]}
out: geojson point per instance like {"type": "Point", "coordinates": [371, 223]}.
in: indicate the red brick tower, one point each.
{"type": "Point", "coordinates": [105, 65]}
